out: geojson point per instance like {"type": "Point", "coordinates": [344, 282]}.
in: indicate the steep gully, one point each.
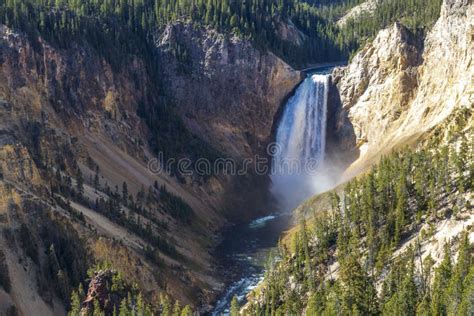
{"type": "Point", "coordinates": [297, 172]}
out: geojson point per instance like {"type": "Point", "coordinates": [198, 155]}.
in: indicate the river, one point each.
{"type": "Point", "coordinates": [243, 252]}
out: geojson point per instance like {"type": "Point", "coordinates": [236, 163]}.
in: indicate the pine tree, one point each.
{"type": "Point", "coordinates": [187, 311]}
{"type": "Point", "coordinates": [176, 309]}
{"type": "Point", "coordinates": [440, 283]}
{"type": "Point", "coordinates": [63, 284]}
{"type": "Point", "coordinates": [75, 304]}
{"type": "Point", "coordinates": [234, 307]}
{"type": "Point", "coordinates": [141, 309]}
{"type": "Point", "coordinates": [97, 309]}
{"type": "Point", "coordinates": [408, 293]}
{"type": "Point", "coordinates": [423, 307]}
{"type": "Point", "coordinates": [358, 289]}
{"type": "Point", "coordinates": [165, 305]}
{"type": "Point", "coordinates": [124, 193]}
{"type": "Point", "coordinates": [80, 182]}
{"type": "Point", "coordinates": [316, 303]}
{"type": "Point", "coordinates": [401, 206]}
{"type": "Point", "coordinates": [467, 302]}
{"type": "Point", "coordinates": [455, 289]}
{"type": "Point", "coordinates": [307, 259]}
{"type": "Point", "coordinates": [124, 310]}
{"type": "Point", "coordinates": [96, 181]}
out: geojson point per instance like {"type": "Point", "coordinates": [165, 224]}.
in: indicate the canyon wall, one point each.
{"type": "Point", "coordinates": [69, 114]}
{"type": "Point", "coordinates": [228, 91]}
{"type": "Point", "coordinates": [401, 85]}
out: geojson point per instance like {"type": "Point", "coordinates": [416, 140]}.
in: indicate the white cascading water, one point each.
{"type": "Point", "coordinates": [301, 144]}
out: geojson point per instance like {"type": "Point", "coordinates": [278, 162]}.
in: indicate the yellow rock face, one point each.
{"type": "Point", "coordinates": [399, 87]}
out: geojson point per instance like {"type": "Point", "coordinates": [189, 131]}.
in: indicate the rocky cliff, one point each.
{"type": "Point", "coordinates": [228, 92]}
{"type": "Point", "coordinates": [74, 150]}
{"type": "Point", "coordinates": [400, 85]}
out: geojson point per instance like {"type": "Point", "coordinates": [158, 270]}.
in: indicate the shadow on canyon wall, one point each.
{"type": "Point", "coordinates": [341, 142]}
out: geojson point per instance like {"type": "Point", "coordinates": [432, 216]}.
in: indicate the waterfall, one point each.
{"type": "Point", "coordinates": [298, 155]}
{"type": "Point", "coordinates": [298, 172]}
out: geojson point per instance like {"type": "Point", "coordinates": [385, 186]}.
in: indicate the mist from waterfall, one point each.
{"type": "Point", "coordinates": [298, 162]}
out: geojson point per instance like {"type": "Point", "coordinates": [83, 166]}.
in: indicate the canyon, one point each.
{"type": "Point", "coordinates": [73, 107]}
{"type": "Point", "coordinates": [78, 133]}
